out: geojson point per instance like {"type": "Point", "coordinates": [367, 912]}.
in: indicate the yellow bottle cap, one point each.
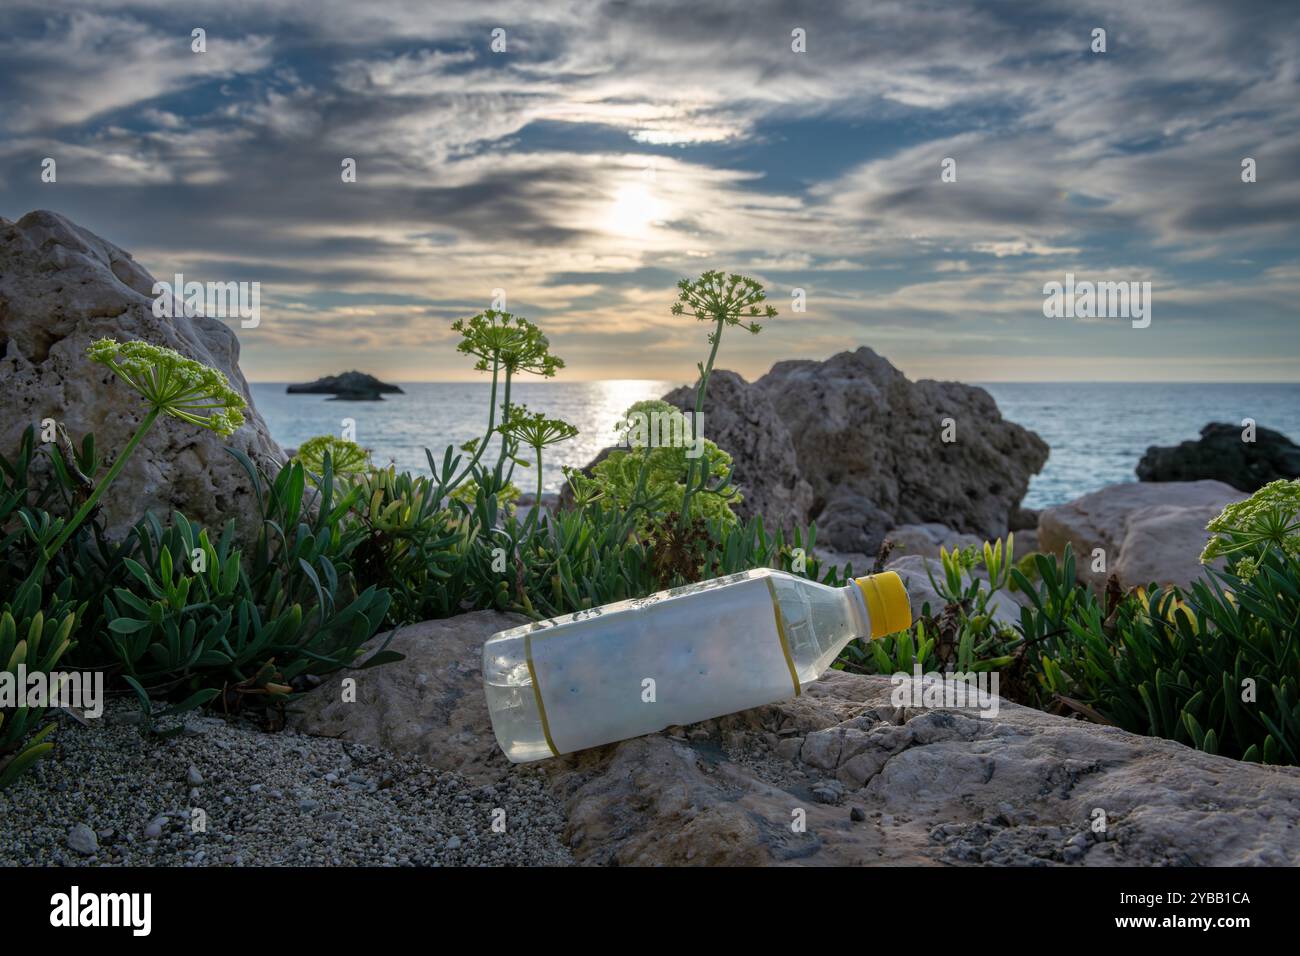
{"type": "Point", "coordinates": [887, 603]}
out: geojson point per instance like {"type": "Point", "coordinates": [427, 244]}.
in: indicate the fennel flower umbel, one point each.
{"type": "Point", "coordinates": [172, 385]}
{"type": "Point", "coordinates": [346, 457]}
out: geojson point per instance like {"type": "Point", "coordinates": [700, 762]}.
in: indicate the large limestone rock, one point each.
{"type": "Point", "coordinates": [929, 785]}
{"type": "Point", "coordinates": [1149, 531]}
{"type": "Point", "coordinates": [1221, 454]}
{"type": "Point", "coordinates": [860, 428]}
{"type": "Point", "coordinates": [62, 287]}
{"type": "Point", "coordinates": [740, 419]}
{"type": "Point", "coordinates": [855, 446]}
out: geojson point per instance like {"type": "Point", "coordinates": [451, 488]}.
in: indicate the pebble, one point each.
{"type": "Point", "coordinates": [155, 828]}
{"type": "Point", "coordinates": [83, 840]}
{"type": "Point", "coordinates": [193, 777]}
{"type": "Point", "coordinates": [857, 814]}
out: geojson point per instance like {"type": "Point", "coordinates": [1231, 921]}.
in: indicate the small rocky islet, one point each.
{"type": "Point", "coordinates": [350, 386]}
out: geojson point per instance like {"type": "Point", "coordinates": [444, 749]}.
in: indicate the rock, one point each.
{"type": "Point", "coordinates": [860, 427]}
{"type": "Point", "coordinates": [742, 420]}
{"type": "Point", "coordinates": [61, 288]}
{"type": "Point", "coordinates": [154, 828]}
{"type": "Point", "coordinates": [1148, 531]}
{"type": "Point", "coordinates": [916, 572]}
{"type": "Point", "coordinates": [657, 801]}
{"type": "Point", "coordinates": [1022, 519]}
{"type": "Point", "coordinates": [857, 814]}
{"type": "Point", "coordinates": [926, 539]}
{"type": "Point", "coordinates": [828, 791]}
{"type": "Point", "coordinates": [1222, 455]}
{"type": "Point", "coordinates": [851, 443]}
{"type": "Point", "coordinates": [82, 839]}
{"type": "Point", "coordinates": [453, 843]}
{"type": "Point", "coordinates": [852, 522]}
{"type": "Point", "coordinates": [947, 784]}
{"type": "Point", "coordinates": [193, 777]}
{"type": "Point", "coordinates": [430, 704]}
{"type": "Point", "coordinates": [347, 386]}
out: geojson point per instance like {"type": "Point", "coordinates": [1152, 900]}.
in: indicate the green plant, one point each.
{"type": "Point", "coordinates": [348, 457]}
{"type": "Point", "coordinates": [651, 479]}
{"type": "Point", "coordinates": [201, 622]}
{"type": "Point", "coordinates": [1269, 520]}
{"type": "Point", "coordinates": [1216, 668]}
{"type": "Point", "coordinates": [961, 634]}
{"type": "Point", "coordinates": [505, 345]}
{"type": "Point", "coordinates": [724, 301]}
{"type": "Point", "coordinates": [171, 385]}
{"type": "Point", "coordinates": [410, 544]}
{"type": "Point", "coordinates": [537, 432]}
{"type": "Point", "coordinates": [33, 638]}
{"type": "Point", "coordinates": [505, 494]}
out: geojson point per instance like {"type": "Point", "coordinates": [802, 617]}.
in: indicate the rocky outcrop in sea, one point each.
{"type": "Point", "coordinates": [350, 386]}
{"type": "Point", "coordinates": [1223, 453]}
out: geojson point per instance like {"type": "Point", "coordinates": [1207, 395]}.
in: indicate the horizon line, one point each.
{"type": "Point", "coordinates": [1000, 381]}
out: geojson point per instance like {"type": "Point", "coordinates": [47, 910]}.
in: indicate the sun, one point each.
{"type": "Point", "coordinates": [634, 210]}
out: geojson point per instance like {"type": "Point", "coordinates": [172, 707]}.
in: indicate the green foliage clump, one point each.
{"type": "Point", "coordinates": [202, 620]}
{"type": "Point", "coordinates": [658, 473]}
{"type": "Point", "coordinates": [34, 636]}
{"type": "Point", "coordinates": [1216, 668]}
{"type": "Point", "coordinates": [960, 635]}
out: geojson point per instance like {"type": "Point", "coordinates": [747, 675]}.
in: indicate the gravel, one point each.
{"type": "Point", "coordinates": [107, 796]}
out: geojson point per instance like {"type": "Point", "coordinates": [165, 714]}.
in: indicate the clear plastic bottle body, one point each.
{"type": "Point", "coordinates": [675, 657]}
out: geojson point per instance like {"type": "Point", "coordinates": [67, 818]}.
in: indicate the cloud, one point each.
{"type": "Point", "coordinates": [613, 147]}
{"type": "Point", "coordinates": [87, 64]}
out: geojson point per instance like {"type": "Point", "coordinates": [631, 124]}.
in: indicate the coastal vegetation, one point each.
{"type": "Point", "coordinates": [184, 616]}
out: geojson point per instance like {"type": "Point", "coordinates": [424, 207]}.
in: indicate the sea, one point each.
{"type": "Point", "coordinates": [1097, 430]}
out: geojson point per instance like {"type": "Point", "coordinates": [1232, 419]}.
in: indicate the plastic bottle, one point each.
{"type": "Point", "coordinates": [676, 657]}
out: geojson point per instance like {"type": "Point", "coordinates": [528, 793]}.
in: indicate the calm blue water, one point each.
{"type": "Point", "coordinates": [1097, 431]}
{"type": "Point", "coordinates": [438, 414]}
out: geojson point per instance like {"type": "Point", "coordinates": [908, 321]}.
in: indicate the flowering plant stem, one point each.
{"type": "Point", "coordinates": [95, 495]}
{"type": "Point", "coordinates": [705, 371]}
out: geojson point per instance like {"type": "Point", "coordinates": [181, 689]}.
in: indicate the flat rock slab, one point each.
{"type": "Point", "coordinates": [780, 784]}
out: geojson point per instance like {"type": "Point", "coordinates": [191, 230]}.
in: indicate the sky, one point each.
{"type": "Point", "coordinates": [612, 148]}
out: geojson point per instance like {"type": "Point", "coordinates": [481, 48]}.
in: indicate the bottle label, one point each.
{"type": "Point", "coordinates": [676, 657]}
